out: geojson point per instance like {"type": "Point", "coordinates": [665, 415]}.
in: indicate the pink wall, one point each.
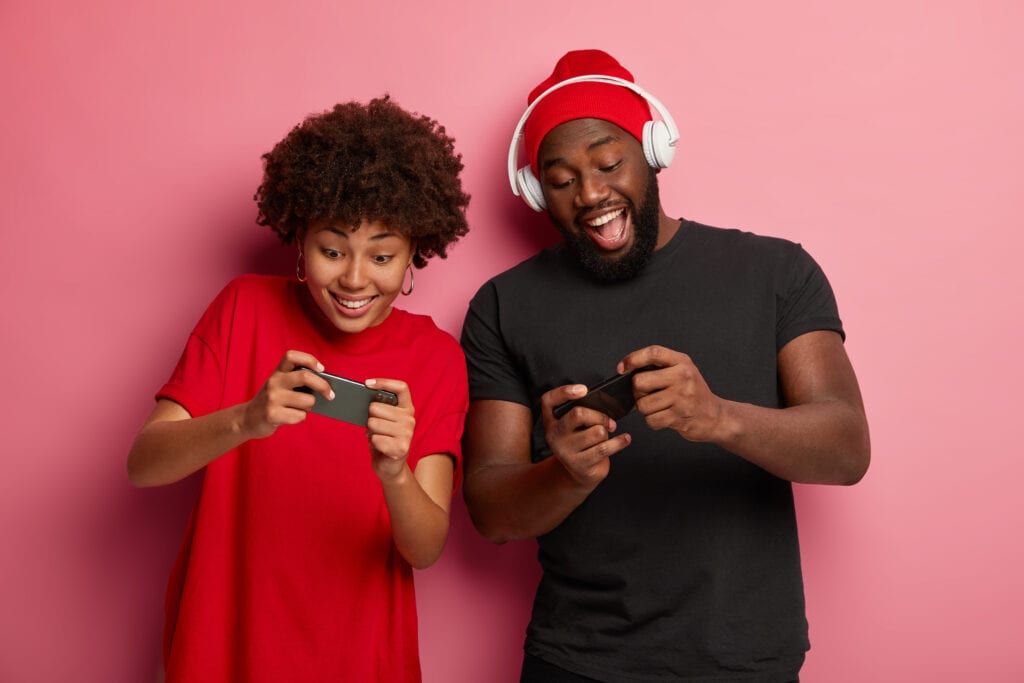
{"type": "Point", "coordinates": [885, 138]}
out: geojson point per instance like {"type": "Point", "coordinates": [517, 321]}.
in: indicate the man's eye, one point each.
{"type": "Point", "coordinates": [611, 167]}
{"type": "Point", "coordinates": [559, 185]}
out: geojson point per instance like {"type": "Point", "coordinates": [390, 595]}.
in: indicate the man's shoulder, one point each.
{"type": "Point", "coordinates": [543, 260]}
{"type": "Point", "coordinates": [732, 248]}
{"type": "Point", "coordinates": [737, 237]}
{"type": "Point", "coordinates": [536, 269]}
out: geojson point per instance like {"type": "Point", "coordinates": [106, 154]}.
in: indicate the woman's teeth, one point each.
{"type": "Point", "coordinates": [354, 304]}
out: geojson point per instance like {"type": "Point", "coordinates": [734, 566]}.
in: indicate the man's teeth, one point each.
{"type": "Point", "coordinates": [601, 220]}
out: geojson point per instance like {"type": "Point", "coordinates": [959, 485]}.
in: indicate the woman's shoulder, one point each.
{"type": "Point", "coordinates": [432, 355]}
{"type": "Point", "coordinates": [245, 295]}
{"type": "Point", "coordinates": [422, 328]}
{"type": "Point", "coordinates": [253, 284]}
{"type": "Point", "coordinates": [264, 291]}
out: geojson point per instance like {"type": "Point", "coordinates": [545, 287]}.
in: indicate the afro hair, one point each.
{"type": "Point", "coordinates": [367, 162]}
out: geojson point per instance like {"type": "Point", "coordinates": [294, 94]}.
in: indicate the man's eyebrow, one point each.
{"type": "Point", "coordinates": [607, 139]}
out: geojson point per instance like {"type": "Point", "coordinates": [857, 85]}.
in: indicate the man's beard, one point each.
{"type": "Point", "coordinates": [645, 238]}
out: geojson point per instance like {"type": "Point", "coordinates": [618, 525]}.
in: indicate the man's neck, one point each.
{"type": "Point", "coordinates": [667, 228]}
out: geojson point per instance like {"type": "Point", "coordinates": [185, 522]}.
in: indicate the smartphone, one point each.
{"type": "Point", "coordinates": [351, 399]}
{"type": "Point", "coordinates": [613, 396]}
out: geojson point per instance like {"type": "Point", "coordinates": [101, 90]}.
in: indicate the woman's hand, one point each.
{"type": "Point", "coordinates": [277, 402]}
{"type": "Point", "coordinates": [173, 444]}
{"type": "Point", "coordinates": [389, 429]}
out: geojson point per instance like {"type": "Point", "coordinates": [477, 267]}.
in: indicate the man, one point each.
{"type": "Point", "coordinates": [667, 537]}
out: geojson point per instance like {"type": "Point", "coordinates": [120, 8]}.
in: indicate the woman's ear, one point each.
{"type": "Point", "coordinates": [412, 252]}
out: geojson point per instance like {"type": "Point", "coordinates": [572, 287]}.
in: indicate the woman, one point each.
{"type": "Point", "coordinates": [297, 562]}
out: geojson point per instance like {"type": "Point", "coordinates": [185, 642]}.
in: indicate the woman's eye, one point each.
{"type": "Point", "coordinates": [332, 253]}
{"type": "Point", "coordinates": [381, 259]}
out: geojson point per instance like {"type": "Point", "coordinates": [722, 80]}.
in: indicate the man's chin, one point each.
{"type": "Point", "coordinates": [622, 264]}
{"type": "Point", "coordinates": [628, 259]}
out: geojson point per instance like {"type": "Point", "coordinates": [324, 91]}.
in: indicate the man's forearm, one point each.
{"type": "Point", "coordinates": [517, 501]}
{"type": "Point", "coordinates": [825, 442]}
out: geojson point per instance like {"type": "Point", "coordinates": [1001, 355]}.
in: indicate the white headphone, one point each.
{"type": "Point", "coordinates": [659, 138]}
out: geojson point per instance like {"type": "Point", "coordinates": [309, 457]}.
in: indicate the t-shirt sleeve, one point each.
{"type": "Point", "coordinates": [806, 302]}
{"type": "Point", "coordinates": [198, 378]}
{"type": "Point", "coordinates": [442, 431]}
{"type": "Point", "coordinates": [490, 364]}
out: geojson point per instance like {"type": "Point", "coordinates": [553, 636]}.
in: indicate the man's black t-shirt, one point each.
{"type": "Point", "coordinates": [684, 563]}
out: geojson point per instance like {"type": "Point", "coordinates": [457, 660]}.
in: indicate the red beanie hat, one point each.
{"type": "Point", "coordinates": [617, 104]}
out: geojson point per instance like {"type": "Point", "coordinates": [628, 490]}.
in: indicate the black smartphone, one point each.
{"type": "Point", "coordinates": [351, 399]}
{"type": "Point", "coordinates": [613, 396]}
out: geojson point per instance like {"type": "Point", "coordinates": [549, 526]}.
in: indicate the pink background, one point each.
{"type": "Point", "coordinates": [884, 136]}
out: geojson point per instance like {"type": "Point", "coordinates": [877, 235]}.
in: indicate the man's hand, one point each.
{"type": "Point", "coordinates": [581, 440]}
{"type": "Point", "coordinates": [818, 436]}
{"type": "Point", "coordinates": [674, 396]}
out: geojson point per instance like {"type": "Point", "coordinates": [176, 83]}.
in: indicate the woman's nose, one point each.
{"type": "Point", "coordinates": [352, 275]}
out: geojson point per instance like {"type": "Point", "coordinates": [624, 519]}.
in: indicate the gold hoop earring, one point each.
{"type": "Point", "coordinates": [300, 264]}
{"type": "Point", "coordinates": [412, 282]}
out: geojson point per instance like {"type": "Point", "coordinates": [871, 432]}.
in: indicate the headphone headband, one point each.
{"type": "Point", "coordinates": [517, 135]}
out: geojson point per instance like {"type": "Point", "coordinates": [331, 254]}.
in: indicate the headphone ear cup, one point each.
{"type": "Point", "coordinates": [529, 188]}
{"type": "Point", "coordinates": [657, 144]}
